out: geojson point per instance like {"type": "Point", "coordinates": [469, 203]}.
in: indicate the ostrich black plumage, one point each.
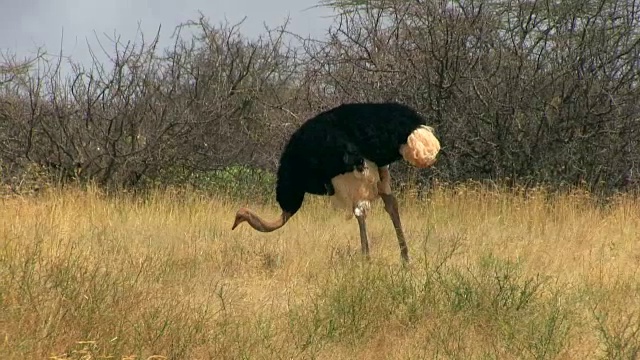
{"type": "Point", "coordinates": [344, 152]}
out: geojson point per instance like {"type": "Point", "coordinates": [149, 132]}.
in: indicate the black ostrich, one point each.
{"type": "Point", "coordinates": [344, 152]}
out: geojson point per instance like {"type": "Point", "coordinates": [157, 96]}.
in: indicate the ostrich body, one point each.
{"type": "Point", "coordinates": [345, 153]}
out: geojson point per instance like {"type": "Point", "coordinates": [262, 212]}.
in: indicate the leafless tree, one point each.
{"type": "Point", "coordinates": [520, 91]}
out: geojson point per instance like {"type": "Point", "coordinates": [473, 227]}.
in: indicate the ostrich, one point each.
{"type": "Point", "coordinates": [345, 153]}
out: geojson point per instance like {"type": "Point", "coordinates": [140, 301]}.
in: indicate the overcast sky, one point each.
{"type": "Point", "coordinates": [28, 24]}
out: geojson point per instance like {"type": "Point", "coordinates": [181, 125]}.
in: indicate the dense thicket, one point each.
{"type": "Point", "coordinates": [522, 92]}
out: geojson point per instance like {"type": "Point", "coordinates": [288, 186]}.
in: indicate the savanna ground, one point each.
{"type": "Point", "coordinates": [494, 274]}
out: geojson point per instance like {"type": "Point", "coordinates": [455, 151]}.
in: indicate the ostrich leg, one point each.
{"type": "Point", "coordinates": [360, 211]}
{"type": "Point", "coordinates": [364, 241]}
{"type": "Point", "coordinates": [391, 206]}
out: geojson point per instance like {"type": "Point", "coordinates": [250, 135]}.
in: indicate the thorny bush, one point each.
{"type": "Point", "coordinates": [520, 92]}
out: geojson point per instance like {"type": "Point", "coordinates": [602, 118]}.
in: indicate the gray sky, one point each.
{"type": "Point", "coordinates": [27, 24]}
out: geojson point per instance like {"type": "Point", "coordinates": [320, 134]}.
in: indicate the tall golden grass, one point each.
{"type": "Point", "coordinates": [493, 274]}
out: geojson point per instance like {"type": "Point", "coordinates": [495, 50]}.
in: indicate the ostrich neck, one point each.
{"type": "Point", "coordinates": [266, 226]}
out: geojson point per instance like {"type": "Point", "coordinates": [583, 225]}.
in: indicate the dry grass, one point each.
{"type": "Point", "coordinates": [493, 275]}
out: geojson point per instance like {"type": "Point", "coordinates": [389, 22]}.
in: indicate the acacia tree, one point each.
{"type": "Point", "coordinates": [197, 106]}
{"type": "Point", "coordinates": [524, 91]}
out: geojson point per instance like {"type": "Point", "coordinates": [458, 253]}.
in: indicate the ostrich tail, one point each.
{"type": "Point", "coordinates": [258, 223]}
{"type": "Point", "coordinates": [421, 148]}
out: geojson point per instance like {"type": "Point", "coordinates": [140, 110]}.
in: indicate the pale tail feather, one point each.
{"type": "Point", "coordinates": [422, 147]}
